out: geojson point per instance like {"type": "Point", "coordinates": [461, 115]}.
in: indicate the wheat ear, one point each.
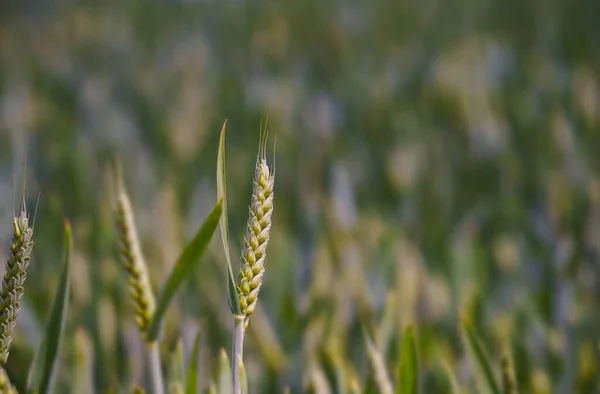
{"type": "Point", "coordinates": [509, 384]}
{"type": "Point", "coordinates": [5, 386]}
{"type": "Point", "coordinates": [14, 280]}
{"type": "Point", "coordinates": [133, 262]}
{"type": "Point", "coordinates": [257, 235]}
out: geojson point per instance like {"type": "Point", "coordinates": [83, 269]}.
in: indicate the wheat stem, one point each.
{"type": "Point", "coordinates": [5, 386]}
{"type": "Point", "coordinates": [237, 352]}
{"type": "Point", "coordinates": [155, 368]}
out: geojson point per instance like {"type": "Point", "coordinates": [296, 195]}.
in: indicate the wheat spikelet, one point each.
{"type": "Point", "coordinates": [257, 235]}
{"type": "Point", "coordinates": [5, 386]}
{"type": "Point", "coordinates": [13, 281]}
{"type": "Point", "coordinates": [509, 384]}
{"type": "Point", "coordinates": [133, 262]}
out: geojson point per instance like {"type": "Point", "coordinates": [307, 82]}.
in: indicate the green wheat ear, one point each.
{"type": "Point", "coordinates": [14, 280]}
{"type": "Point", "coordinates": [140, 289]}
{"type": "Point", "coordinates": [257, 235]}
{"type": "Point", "coordinates": [509, 383]}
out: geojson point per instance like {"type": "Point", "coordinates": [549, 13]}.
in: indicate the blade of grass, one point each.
{"type": "Point", "coordinates": [380, 373]}
{"type": "Point", "coordinates": [452, 380]}
{"type": "Point", "coordinates": [243, 378]}
{"type": "Point", "coordinates": [187, 261]}
{"type": "Point", "coordinates": [82, 377]}
{"type": "Point", "coordinates": [232, 295]}
{"type": "Point", "coordinates": [225, 383]}
{"type": "Point", "coordinates": [408, 371]}
{"type": "Point", "coordinates": [175, 383]}
{"type": "Point", "coordinates": [191, 386]}
{"type": "Point", "coordinates": [42, 370]}
{"type": "Point", "coordinates": [484, 374]}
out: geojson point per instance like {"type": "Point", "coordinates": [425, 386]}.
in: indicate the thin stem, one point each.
{"type": "Point", "coordinates": [155, 368]}
{"type": "Point", "coordinates": [238, 351]}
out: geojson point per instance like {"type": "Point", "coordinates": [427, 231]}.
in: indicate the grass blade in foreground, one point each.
{"type": "Point", "coordinates": [243, 378]}
{"type": "Point", "coordinates": [83, 369]}
{"type": "Point", "coordinates": [380, 374]}
{"type": "Point", "coordinates": [479, 356]}
{"type": "Point", "coordinates": [187, 261]}
{"type": "Point", "coordinates": [451, 378]}
{"type": "Point", "coordinates": [175, 382]}
{"type": "Point", "coordinates": [232, 295]}
{"type": "Point", "coordinates": [42, 370]}
{"type": "Point", "coordinates": [408, 371]}
{"type": "Point", "coordinates": [225, 383]}
{"type": "Point", "coordinates": [191, 385]}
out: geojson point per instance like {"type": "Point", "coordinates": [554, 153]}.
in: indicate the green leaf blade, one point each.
{"type": "Point", "coordinates": [480, 358]}
{"type": "Point", "coordinates": [187, 261]}
{"type": "Point", "coordinates": [191, 386]}
{"type": "Point", "coordinates": [175, 383]}
{"type": "Point", "coordinates": [225, 381]}
{"type": "Point", "coordinates": [408, 371]}
{"type": "Point", "coordinates": [42, 370]}
{"type": "Point", "coordinates": [232, 295]}
{"type": "Point", "coordinates": [243, 378]}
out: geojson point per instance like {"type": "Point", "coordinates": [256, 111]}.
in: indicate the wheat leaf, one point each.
{"type": "Point", "coordinates": [232, 295]}
{"type": "Point", "coordinates": [225, 382]}
{"type": "Point", "coordinates": [480, 358]}
{"type": "Point", "coordinates": [380, 374]}
{"type": "Point", "coordinates": [408, 371]}
{"type": "Point", "coordinates": [42, 370]}
{"type": "Point", "coordinates": [191, 385]}
{"type": "Point", "coordinates": [187, 261]}
{"type": "Point", "coordinates": [243, 378]}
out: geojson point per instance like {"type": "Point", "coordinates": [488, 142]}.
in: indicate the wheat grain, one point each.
{"type": "Point", "coordinates": [14, 280]}
{"type": "Point", "coordinates": [257, 235]}
{"type": "Point", "coordinates": [140, 289]}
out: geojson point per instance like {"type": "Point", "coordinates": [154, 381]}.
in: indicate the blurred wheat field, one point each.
{"type": "Point", "coordinates": [436, 161]}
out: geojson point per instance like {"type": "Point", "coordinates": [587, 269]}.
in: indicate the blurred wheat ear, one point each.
{"type": "Point", "coordinates": [509, 384]}
{"type": "Point", "coordinates": [14, 280]}
{"type": "Point", "coordinates": [140, 289]}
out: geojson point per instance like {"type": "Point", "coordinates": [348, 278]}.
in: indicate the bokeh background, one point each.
{"type": "Point", "coordinates": [433, 157]}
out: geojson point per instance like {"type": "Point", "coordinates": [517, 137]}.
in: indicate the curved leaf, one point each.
{"type": "Point", "coordinates": [42, 370]}
{"type": "Point", "coordinates": [232, 295]}
{"type": "Point", "coordinates": [187, 261]}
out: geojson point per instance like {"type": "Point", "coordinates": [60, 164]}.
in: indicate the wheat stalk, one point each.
{"type": "Point", "coordinates": [5, 386]}
{"type": "Point", "coordinates": [13, 281]}
{"type": "Point", "coordinates": [133, 261]}
{"type": "Point", "coordinates": [257, 235]}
